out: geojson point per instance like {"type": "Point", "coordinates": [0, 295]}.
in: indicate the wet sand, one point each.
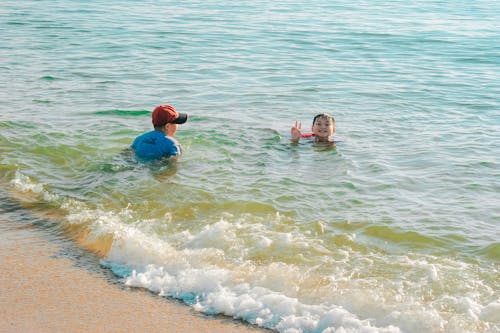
{"type": "Point", "coordinates": [44, 287]}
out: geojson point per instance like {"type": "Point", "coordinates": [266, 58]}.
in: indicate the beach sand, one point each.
{"type": "Point", "coordinates": [49, 285]}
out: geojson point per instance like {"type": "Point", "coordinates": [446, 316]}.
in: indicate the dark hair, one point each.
{"type": "Point", "coordinates": [323, 115]}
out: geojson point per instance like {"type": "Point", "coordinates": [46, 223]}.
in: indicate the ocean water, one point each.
{"type": "Point", "coordinates": [397, 229]}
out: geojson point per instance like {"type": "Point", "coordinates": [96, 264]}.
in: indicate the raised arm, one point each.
{"type": "Point", "coordinates": [295, 132]}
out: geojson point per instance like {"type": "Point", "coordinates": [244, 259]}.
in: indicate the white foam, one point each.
{"type": "Point", "coordinates": [213, 236]}
{"type": "Point", "coordinates": [250, 270]}
{"type": "Point", "coordinates": [199, 273]}
{"type": "Point", "coordinates": [491, 313]}
{"type": "Point", "coordinates": [254, 304]}
{"type": "Point", "coordinates": [24, 183]}
{"type": "Point", "coordinates": [196, 277]}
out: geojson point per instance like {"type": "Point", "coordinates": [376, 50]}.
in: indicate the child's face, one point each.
{"type": "Point", "coordinates": [171, 129]}
{"type": "Point", "coordinates": [323, 128]}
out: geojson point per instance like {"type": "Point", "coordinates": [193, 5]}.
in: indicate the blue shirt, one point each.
{"type": "Point", "coordinates": [155, 145]}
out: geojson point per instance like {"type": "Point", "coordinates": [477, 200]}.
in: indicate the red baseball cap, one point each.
{"type": "Point", "coordinates": [165, 113]}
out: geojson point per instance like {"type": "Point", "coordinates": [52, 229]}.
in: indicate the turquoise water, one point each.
{"type": "Point", "coordinates": [395, 230]}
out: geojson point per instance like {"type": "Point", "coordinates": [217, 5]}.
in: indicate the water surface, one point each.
{"type": "Point", "coordinates": [394, 230]}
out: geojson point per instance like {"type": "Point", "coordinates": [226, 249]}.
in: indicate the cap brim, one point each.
{"type": "Point", "coordinates": [183, 117]}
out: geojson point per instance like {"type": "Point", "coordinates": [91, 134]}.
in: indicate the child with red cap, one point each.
{"type": "Point", "coordinates": [160, 143]}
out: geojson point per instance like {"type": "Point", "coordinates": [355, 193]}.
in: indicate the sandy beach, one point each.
{"type": "Point", "coordinates": [46, 288]}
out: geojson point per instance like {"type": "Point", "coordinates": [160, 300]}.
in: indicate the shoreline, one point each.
{"type": "Point", "coordinates": [52, 286]}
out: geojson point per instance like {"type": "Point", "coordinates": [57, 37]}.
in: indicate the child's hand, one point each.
{"type": "Point", "coordinates": [295, 131]}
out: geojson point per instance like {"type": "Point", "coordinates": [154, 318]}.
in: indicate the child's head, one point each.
{"type": "Point", "coordinates": [323, 126]}
{"type": "Point", "coordinates": [166, 114]}
{"type": "Point", "coordinates": [166, 119]}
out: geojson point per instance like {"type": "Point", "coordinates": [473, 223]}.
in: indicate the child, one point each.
{"type": "Point", "coordinates": [323, 127]}
{"type": "Point", "coordinates": [160, 143]}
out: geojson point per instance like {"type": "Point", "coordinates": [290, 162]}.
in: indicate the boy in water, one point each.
{"type": "Point", "coordinates": [323, 128]}
{"type": "Point", "coordinates": [160, 143]}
